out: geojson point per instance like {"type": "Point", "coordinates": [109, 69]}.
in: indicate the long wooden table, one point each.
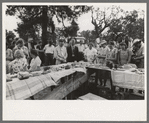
{"type": "Point", "coordinates": [70, 84]}
{"type": "Point", "coordinates": [23, 89]}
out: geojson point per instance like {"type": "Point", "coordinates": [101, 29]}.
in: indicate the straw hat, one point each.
{"type": "Point", "coordinates": [136, 41]}
{"type": "Point", "coordinates": [103, 42]}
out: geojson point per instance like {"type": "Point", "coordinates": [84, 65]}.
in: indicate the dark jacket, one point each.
{"type": "Point", "coordinates": [71, 58]}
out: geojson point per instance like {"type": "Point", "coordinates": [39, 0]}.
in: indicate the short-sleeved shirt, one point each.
{"type": "Point", "coordinates": [49, 49]}
{"type": "Point", "coordinates": [103, 51]}
{"type": "Point", "coordinates": [35, 63]}
{"type": "Point", "coordinates": [81, 48]}
{"type": "Point", "coordinates": [90, 53]}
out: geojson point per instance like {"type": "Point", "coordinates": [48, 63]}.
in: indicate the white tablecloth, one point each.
{"type": "Point", "coordinates": [127, 79]}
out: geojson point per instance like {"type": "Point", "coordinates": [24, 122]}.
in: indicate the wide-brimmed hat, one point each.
{"type": "Point", "coordinates": [103, 42]}
{"type": "Point", "coordinates": [136, 41]}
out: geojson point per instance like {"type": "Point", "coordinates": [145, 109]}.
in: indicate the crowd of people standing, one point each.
{"type": "Point", "coordinates": [23, 58]}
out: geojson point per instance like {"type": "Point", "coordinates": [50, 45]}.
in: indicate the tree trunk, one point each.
{"type": "Point", "coordinates": [44, 25]}
{"type": "Point", "coordinates": [97, 32]}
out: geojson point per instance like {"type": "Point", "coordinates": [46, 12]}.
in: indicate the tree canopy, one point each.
{"type": "Point", "coordinates": [35, 17]}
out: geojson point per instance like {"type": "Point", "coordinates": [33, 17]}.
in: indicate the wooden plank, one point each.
{"type": "Point", "coordinates": [66, 88]}
{"type": "Point", "coordinates": [91, 96]}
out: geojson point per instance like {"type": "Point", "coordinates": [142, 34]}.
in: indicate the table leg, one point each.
{"type": "Point", "coordinates": [112, 87]}
{"type": "Point", "coordinates": [96, 77]}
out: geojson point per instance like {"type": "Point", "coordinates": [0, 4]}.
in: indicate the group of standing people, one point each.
{"type": "Point", "coordinates": [21, 58]}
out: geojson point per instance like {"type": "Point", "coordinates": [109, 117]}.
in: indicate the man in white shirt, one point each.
{"type": "Point", "coordinates": [49, 52]}
{"type": "Point", "coordinates": [90, 53]}
{"type": "Point", "coordinates": [81, 47]}
{"type": "Point", "coordinates": [60, 53]}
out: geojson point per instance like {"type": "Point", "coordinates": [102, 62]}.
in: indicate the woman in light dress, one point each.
{"type": "Point", "coordinates": [19, 63]}
{"type": "Point", "coordinates": [124, 54]}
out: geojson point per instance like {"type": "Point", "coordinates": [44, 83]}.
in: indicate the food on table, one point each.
{"type": "Point", "coordinates": [37, 73]}
{"type": "Point", "coordinates": [8, 78]}
{"type": "Point", "coordinates": [23, 75]}
{"type": "Point", "coordinates": [67, 67]}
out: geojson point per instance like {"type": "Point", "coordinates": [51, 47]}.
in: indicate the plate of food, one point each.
{"type": "Point", "coordinates": [36, 73]}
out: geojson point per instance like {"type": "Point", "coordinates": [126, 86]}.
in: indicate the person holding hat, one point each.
{"type": "Point", "coordinates": [124, 54]}
{"type": "Point", "coordinates": [139, 53]}
{"type": "Point", "coordinates": [90, 53]}
{"type": "Point", "coordinates": [60, 53]}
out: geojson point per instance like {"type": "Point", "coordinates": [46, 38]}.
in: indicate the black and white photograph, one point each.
{"type": "Point", "coordinates": [82, 54]}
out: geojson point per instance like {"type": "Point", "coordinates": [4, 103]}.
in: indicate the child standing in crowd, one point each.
{"type": "Point", "coordinates": [124, 54]}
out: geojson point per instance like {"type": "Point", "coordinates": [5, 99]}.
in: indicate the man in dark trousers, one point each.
{"type": "Point", "coordinates": [72, 51]}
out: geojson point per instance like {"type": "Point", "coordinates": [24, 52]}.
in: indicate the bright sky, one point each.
{"type": "Point", "coordinates": [84, 20]}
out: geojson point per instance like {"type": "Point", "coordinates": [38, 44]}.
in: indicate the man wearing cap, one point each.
{"type": "Point", "coordinates": [139, 54]}
{"type": "Point", "coordinates": [60, 53]}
